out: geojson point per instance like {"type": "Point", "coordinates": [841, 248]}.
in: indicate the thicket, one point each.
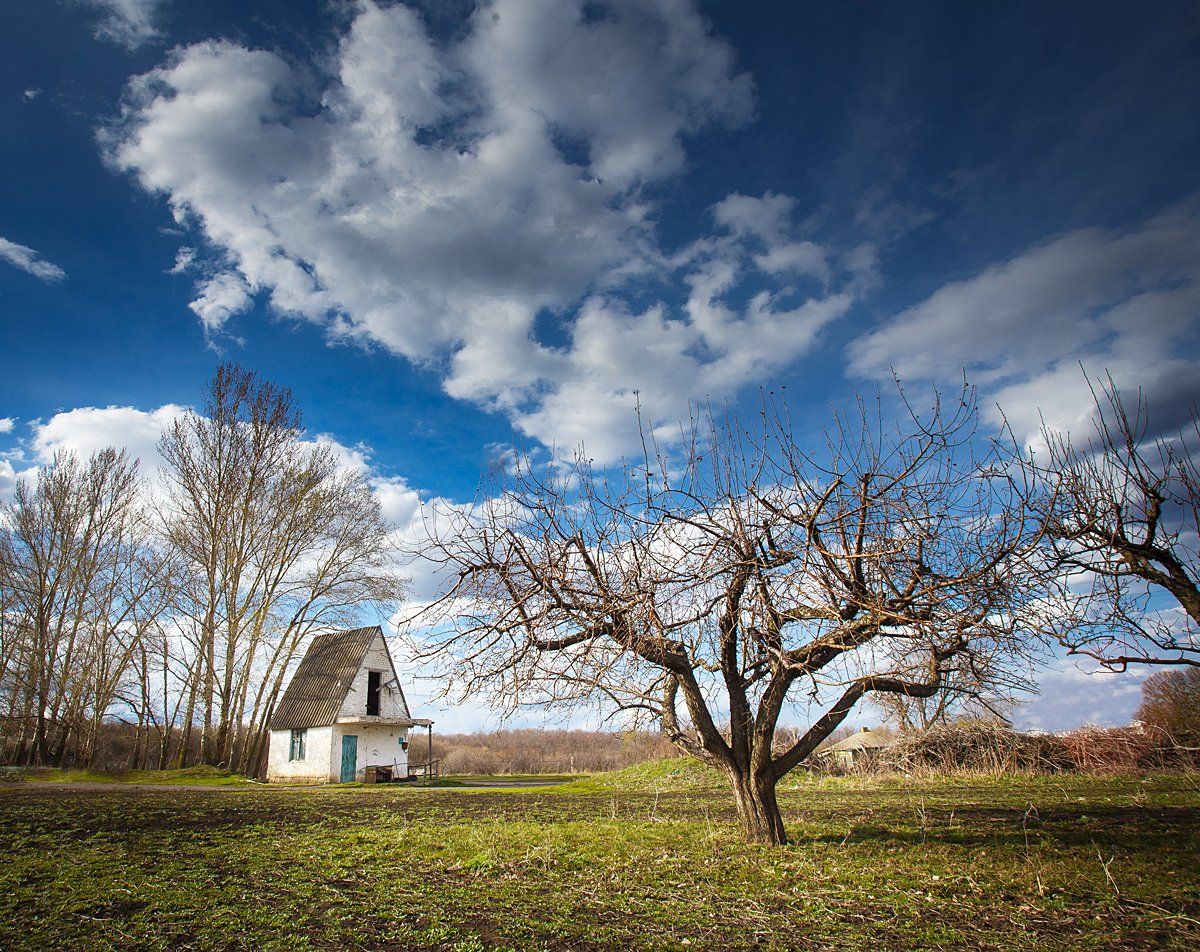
{"type": "Point", "coordinates": [992, 748]}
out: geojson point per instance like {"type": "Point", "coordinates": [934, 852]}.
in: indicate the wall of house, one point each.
{"type": "Point", "coordinates": [378, 746]}
{"type": "Point", "coordinates": [316, 765]}
{"type": "Point", "coordinates": [391, 698]}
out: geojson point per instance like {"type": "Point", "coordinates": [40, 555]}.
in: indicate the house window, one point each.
{"type": "Point", "coordinates": [373, 679]}
{"type": "Point", "coordinates": [297, 749]}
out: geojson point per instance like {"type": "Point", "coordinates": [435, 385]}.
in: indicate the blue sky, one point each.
{"type": "Point", "coordinates": [454, 227]}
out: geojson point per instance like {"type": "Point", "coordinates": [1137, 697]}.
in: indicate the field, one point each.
{"type": "Point", "coordinates": [648, 858]}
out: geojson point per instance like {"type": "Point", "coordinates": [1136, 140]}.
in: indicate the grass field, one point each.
{"type": "Point", "coordinates": [645, 859]}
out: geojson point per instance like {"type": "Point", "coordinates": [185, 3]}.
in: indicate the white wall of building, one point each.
{"type": "Point", "coordinates": [391, 698]}
{"type": "Point", "coordinates": [317, 763]}
{"type": "Point", "coordinates": [378, 746]}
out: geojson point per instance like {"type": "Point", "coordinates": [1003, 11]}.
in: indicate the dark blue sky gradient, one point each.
{"type": "Point", "coordinates": [954, 134]}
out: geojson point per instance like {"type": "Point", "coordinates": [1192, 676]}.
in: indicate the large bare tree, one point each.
{"type": "Point", "coordinates": [741, 577]}
{"type": "Point", "coordinates": [1122, 517]}
{"type": "Point", "coordinates": [278, 538]}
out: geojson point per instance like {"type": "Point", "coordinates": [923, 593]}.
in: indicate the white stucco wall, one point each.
{"type": "Point", "coordinates": [316, 765]}
{"type": "Point", "coordinates": [391, 698]}
{"type": "Point", "coordinates": [378, 746]}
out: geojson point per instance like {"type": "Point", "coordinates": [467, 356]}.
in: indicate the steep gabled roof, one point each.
{"type": "Point", "coordinates": [322, 681]}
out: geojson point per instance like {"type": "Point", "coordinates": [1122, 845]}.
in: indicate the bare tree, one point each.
{"type": "Point", "coordinates": [743, 575]}
{"type": "Point", "coordinates": [78, 575]}
{"type": "Point", "coordinates": [1171, 702]}
{"type": "Point", "coordinates": [278, 538]}
{"type": "Point", "coordinates": [1122, 519]}
{"type": "Point", "coordinates": [909, 714]}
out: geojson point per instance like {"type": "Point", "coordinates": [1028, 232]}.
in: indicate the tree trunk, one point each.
{"type": "Point", "coordinates": [757, 808]}
{"type": "Point", "coordinates": [186, 741]}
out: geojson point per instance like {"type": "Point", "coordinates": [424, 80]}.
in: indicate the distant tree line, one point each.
{"type": "Point", "coordinates": [178, 605]}
{"type": "Point", "coordinates": [544, 751]}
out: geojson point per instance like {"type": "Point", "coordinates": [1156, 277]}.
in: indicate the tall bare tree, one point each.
{"type": "Point", "coordinates": [1171, 702]}
{"type": "Point", "coordinates": [743, 575]}
{"type": "Point", "coordinates": [1122, 517]}
{"type": "Point", "coordinates": [278, 538]}
{"type": "Point", "coordinates": [78, 575]}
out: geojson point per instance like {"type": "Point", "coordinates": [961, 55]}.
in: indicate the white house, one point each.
{"type": "Point", "coordinates": [343, 711]}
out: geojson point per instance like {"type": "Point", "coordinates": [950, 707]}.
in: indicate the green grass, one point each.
{"type": "Point", "coordinates": [190, 776]}
{"type": "Point", "coordinates": [647, 858]}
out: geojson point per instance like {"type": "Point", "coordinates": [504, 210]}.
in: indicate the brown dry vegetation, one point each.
{"type": "Point", "coordinates": [533, 751]}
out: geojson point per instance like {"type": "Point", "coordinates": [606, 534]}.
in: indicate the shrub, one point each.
{"type": "Point", "coordinates": [977, 746]}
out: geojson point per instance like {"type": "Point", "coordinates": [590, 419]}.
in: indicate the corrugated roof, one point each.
{"type": "Point", "coordinates": [322, 681]}
{"type": "Point", "coordinates": [861, 740]}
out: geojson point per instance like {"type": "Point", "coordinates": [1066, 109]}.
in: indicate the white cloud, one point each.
{"type": "Point", "coordinates": [769, 219]}
{"type": "Point", "coordinates": [7, 424]}
{"type": "Point", "coordinates": [221, 297]}
{"type": "Point", "coordinates": [8, 479]}
{"type": "Point", "coordinates": [86, 430]}
{"type": "Point", "coordinates": [31, 94]}
{"type": "Point", "coordinates": [1075, 692]}
{"type": "Point", "coordinates": [30, 261]}
{"type": "Point", "coordinates": [1126, 303]}
{"type": "Point", "coordinates": [437, 198]}
{"type": "Point", "coordinates": [129, 23]}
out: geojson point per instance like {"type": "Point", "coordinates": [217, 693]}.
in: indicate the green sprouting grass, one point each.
{"type": "Point", "coordinates": [641, 859]}
{"type": "Point", "coordinates": [190, 776]}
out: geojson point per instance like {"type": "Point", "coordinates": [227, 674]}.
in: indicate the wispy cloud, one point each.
{"type": "Point", "coordinates": [30, 261]}
{"type": "Point", "coordinates": [129, 23]}
{"type": "Point", "coordinates": [1126, 303]}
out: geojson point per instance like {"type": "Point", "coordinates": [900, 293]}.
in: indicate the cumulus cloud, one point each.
{"type": "Point", "coordinates": [8, 479]}
{"type": "Point", "coordinates": [441, 198]}
{"type": "Point", "coordinates": [1120, 302]}
{"type": "Point", "coordinates": [30, 261]}
{"type": "Point", "coordinates": [129, 23]}
{"type": "Point", "coordinates": [220, 298]}
{"type": "Point", "coordinates": [86, 430]}
{"type": "Point", "coordinates": [7, 424]}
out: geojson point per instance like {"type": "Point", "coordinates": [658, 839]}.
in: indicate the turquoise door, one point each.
{"type": "Point", "coordinates": [349, 757]}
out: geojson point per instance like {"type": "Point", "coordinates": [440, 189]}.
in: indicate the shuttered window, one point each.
{"type": "Point", "coordinates": [297, 749]}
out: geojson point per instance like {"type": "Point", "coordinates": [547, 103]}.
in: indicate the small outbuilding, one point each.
{"type": "Point", "coordinates": [858, 749]}
{"type": "Point", "coordinates": [343, 715]}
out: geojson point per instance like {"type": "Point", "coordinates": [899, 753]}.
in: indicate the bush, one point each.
{"type": "Point", "coordinates": [978, 747]}
{"type": "Point", "coordinates": [1126, 749]}
{"type": "Point", "coordinates": [988, 747]}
